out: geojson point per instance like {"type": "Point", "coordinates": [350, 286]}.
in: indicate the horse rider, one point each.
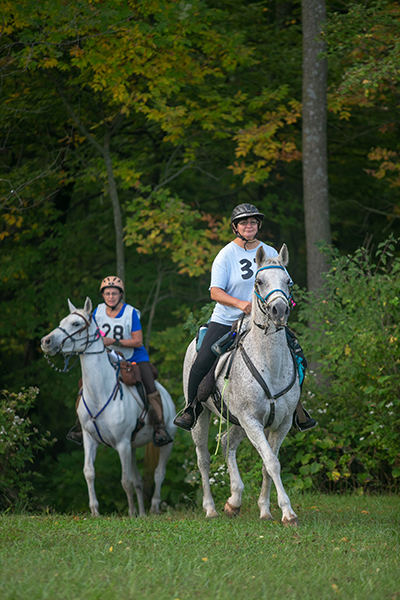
{"type": "Point", "coordinates": [232, 282]}
{"type": "Point", "coordinates": [120, 324]}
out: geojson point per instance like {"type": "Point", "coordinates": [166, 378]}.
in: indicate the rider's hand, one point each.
{"type": "Point", "coordinates": [108, 341]}
{"type": "Point", "coordinates": [246, 307]}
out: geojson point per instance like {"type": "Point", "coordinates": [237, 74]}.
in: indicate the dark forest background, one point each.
{"type": "Point", "coordinates": [130, 130]}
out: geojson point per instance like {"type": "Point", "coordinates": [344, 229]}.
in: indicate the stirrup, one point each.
{"type": "Point", "coordinates": [310, 423]}
{"type": "Point", "coordinates": [75, 436]}
{"type": "Point", "coordinates": [164, 439]}
{"type": "Point", "coordinates": [187, 423]}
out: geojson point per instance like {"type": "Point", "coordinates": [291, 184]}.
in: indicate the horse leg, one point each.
{"type": "Point", "coordinates": [159, 475]}
{"type": "Point", "coordinates": [274, 439]}
{"type": "Point", "coordinates": [125, 456]}
{"type": "Point", "coordinates": [200, 439]}
{"type": "Point", "coordinates": [255, 433]}
{"type": "Point", "coordinates": [138, 484]}
{"type": "Point", "coordinates": [234, 502]}
{"type": "Point", "coordinates": [90, 450]}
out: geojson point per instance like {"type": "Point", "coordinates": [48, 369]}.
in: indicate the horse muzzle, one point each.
{"type": "Point", "coordinates": [279, 312]}
{"type": "Point", "coordinates": [48, 345]}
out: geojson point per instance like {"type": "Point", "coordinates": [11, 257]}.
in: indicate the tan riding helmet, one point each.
{"type": "Point", "coordinates": [112, 281]}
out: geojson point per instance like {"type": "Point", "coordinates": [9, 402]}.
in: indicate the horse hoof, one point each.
{"type": "Point", "coordinates": [290, 522]}
{"type": "Point", "coordinates": [231, 511]}
{"type": "Point", "coordinates": [212, 514]}
{"type": "Point", "coordinates": [266, 517]}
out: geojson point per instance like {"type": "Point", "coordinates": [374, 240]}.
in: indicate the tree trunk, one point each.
{"type": "Point", "coordinates": [160, 275]}
{"type": "Point", "coordinates": [104, 151]}
{"type": "Point", "coordinates": [314, 140]}
{"type": "Point", "coordinates": [119, 233]}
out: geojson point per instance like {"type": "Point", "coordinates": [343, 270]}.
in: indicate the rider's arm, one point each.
{"type": "Point", "coordinates": [222, 297]}
{"type": "Point", "coordinates": [135, 342]}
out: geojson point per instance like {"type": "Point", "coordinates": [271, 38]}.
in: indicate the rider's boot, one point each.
{"type": "Point", "coordinates": [187, 419]}
{"type": "Point", "coordinates": [302, 419]}
{"type": "Point", "coordinates": [75, 433]}
{"type": "Point", "coordinates": [161, 437]}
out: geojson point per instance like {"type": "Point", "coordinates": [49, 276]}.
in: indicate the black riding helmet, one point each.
{"type": "Point", "coordinates": [244, 211]}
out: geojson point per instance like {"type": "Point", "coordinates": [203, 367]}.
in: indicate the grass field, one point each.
{"type": "Point", "coordinates": [347, 547]}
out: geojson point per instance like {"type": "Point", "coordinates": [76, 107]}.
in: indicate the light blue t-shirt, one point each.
{"type": "Point", "coordinates": [234, 270]}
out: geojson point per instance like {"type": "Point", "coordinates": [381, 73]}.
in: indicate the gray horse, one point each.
{"type": "Point", "coordinates": [262, 392]}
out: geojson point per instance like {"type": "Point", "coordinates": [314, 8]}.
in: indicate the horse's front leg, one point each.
{"type": "Point", "coordinates": [200, 439]}
{"type": "Point", "coordinates": [125, 455]}
{"type": "Point", "coordinates": [234, 502]}
{"type": "Point", "coordinates": [90, 449]}
{"type": "Point", "coordinates": [275, 439]}
{"type": "Point", "coordinates": [255, 433]}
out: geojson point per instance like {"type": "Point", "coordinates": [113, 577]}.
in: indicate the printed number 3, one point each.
{"type": "Point", "coordinates": [247, 272]}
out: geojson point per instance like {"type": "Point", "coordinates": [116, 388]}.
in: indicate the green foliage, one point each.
{"type": "Point", "coordinates": [202, 316]}
{"type": "Point", "coordinates": [19, 443]}
{"type": "Point", "coordinates": [165, 225]}
{"type": "Point", "coordinates": [353, 336]}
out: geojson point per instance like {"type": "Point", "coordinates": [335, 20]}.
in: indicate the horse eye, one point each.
{"type": "Point", "coordinates": [258, 281]}
{"type": "Point", "coordinates": [75, 324]}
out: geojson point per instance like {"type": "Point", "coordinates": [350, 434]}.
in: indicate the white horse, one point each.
{"type": "Point", "coordinates": [262, 391]}
{"type": "Point", "coordinates": [109, 410]}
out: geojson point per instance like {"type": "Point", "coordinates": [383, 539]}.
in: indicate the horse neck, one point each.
{"type": "Point", "coordinates": [98, 376]}
{"type": "Point", "coordinates": [268, 349]}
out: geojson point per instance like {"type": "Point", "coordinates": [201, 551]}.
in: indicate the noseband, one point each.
{"type": "Point", "coordinates": [68, 336]}
{"type": "Point", "coordinates": [264, 303]}
{"type": "Point", "coordinates": [86, 326]}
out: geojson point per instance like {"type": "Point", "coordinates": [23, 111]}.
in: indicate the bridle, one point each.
{"type": "Point", "coordinates": [71, 336]}
{"type": "Point", "coordinates": [264, 303]}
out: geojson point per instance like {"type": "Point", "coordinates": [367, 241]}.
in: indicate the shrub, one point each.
{"type": "Point", "coordinates": [351, 331]}
{"type": "Point", "coordinates": [19, 442]}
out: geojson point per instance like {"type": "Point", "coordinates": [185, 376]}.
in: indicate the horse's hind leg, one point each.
{"type": "Point", "coordinates": [159, 475]}
{"type": "Point", "coordinates": [263, 499]}
{"type": "Point", "coordinates": [234, 502]}
{"type": "Point", "coordinates": [125, 455]}
{"type": "Point", "coordinates": [200, 439]}
{"type": "Point", "coordinates": [138, 485]}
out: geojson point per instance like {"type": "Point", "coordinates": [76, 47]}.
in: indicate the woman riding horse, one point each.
{"type": "Point", "coordinates": [232, 282]}
{"type": "Point", "coordinates": [121, 325]}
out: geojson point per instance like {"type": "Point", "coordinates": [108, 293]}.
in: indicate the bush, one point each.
{"type": "Point", "coordinates": [351, 331]}
{"type": "Point", "coordinates": [19, 443]}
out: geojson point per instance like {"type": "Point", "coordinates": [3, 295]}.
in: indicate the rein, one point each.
{"type": "Point", "coordinates": [263, 305]}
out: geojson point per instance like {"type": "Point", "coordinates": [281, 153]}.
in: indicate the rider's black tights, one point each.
{"type": "Point", "coordinates": [146, 373]}
{"type": "Point", "coordinates": [205, 357]}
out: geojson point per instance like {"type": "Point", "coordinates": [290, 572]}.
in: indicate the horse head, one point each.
{"type": "Point", "coordinates": [72, 335]}
{"type": "Point", "coordinates": [271, 287]}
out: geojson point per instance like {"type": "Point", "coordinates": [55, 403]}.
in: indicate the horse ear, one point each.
{"type": "Point", "coordinates": [71, 306]}
{"type": "Point", "coordinates": [260, 256]}
{"type": "Point", "coordinates": [88, 306]}
{"type": "Point", "coordinates": [284, 256]}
